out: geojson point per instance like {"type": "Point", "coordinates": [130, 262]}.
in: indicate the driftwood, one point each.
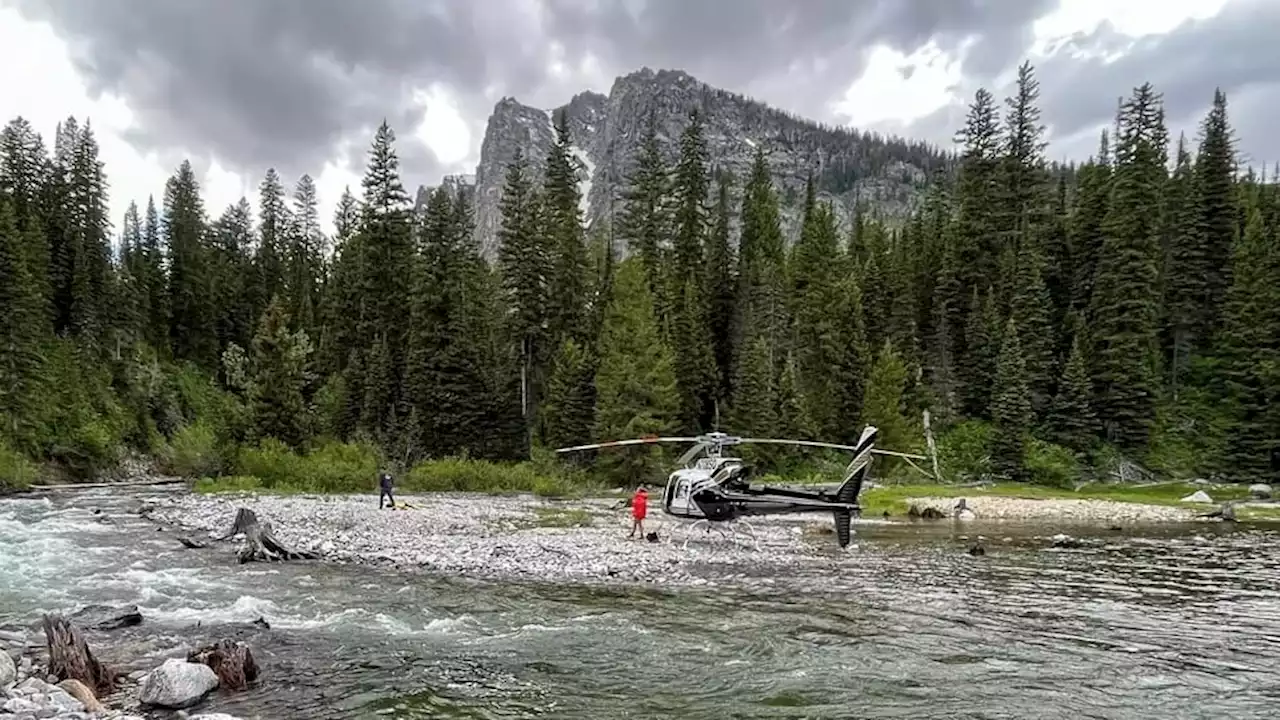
{"type": "Point", "coordinates": [231, 662]}
{"type": "Point", "coordinates": [193, 544]}
{"type": "Point", "coordinates": [71, 659]}
{"type": "Point", "coordinates": [259, 543]}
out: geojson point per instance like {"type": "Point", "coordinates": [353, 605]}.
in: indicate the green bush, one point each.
{"type": "Point", "coordinates": [1052, 465]}
{"type": "Point", "coordinates": [461, 475]}
{"type": "Point", "coordinates": [230, 483]}
{"type": "Point", "coordinates": [330, 468]}
{"type": "Point", "coordinates": [16, 471]}
{"type": "Point", "coordinates": [193, 451]}
{"type": "Point", "coordinates": [964, 452]}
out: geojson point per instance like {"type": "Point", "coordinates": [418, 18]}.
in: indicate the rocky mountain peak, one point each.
{"type": "Point", "coordinates": [852, 169]}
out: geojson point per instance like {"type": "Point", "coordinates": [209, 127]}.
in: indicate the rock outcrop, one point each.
{"type": "Point", "coordinates": [852, 169]}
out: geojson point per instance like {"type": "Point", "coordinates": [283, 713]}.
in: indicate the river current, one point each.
{"type": "Point", "coordinates": [1167, 622]}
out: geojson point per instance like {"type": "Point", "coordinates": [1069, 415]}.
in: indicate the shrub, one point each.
{"type": "Point", "coordinates": [16, 471]}
{"type": "Point", "coordinates": [1052, 465]}
{"type": "Point", "coordinates": [330, 468]}
{"type": "Point", "coordinates": [964, 451]}
{"type": "Point", "coordinates": [193, 452]}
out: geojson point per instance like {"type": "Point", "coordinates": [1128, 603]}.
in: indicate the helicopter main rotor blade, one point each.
{"type": "Point", "coordinates": [833, 446]}
{"type": "Point", "coordinates": [618, 443]}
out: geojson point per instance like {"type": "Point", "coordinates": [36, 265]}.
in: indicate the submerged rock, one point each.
{"type": "Point", "coordinates": [178, 684]}
{"type": "Point", "coordinates": [102, 617]}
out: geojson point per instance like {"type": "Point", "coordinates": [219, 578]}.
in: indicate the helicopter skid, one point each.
{"type": "Point", "coordinates": [719, 527]}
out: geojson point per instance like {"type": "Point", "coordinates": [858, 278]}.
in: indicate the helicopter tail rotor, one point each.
{"type": "Point", "coordinates": [847, 494]}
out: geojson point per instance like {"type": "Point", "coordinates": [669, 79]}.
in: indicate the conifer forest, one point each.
{"type": "Point", "coordinates": [1057, 321]}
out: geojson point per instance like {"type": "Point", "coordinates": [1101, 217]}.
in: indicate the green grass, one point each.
{"type": "Point", "coordinates": [895, 498]}
{"type": "Point", "coordinates": [554, 517]}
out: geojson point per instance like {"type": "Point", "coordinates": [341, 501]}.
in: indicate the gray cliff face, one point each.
{"type": "Point", "coordinates": [851, 169]}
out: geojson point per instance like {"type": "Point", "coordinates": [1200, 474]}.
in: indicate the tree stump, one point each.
{"type": "Point", "coordinates": [71, 659]}
{"type": "Point", "coordinates": [259, 543]}
{"type": "Point", "coordinates": [230, 661]}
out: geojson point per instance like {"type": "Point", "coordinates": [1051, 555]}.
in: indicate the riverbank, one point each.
{"type": "Point", "coordinates": [585, 540]}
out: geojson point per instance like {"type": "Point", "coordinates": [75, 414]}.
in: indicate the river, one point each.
{"type": "Point", "coordinates": [1171, 622]}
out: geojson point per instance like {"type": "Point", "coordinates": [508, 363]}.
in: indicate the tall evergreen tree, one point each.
{"type": "Point", "coordinates": [562, 223]}
{"type": "Point", "coordinates": [1071, 420]}
{"type": "Point", "coordinates": [568, 407]}
{"type": "Point", "coordinates": [273, 242]}
{"type": "Point", "coordinates": [635, 381]}
{"type": "Point", "coordinates": [883, 405]}
{"type": "Point", "coordinates": [280, 363]}
{"type": "Point", "coordinates": [1215, 171]}
{"type": "Point", "coordinates": [192, 331]}
{"type": "Point", "coordinates": [1125, 317]}
{"type": "Point", "coordinates": [20, 325]}
{"type": "Point", "coordinates": [23, 161]}
{"type": "Point", "coordinates": [1093, 197]}
{"type": "Point", "coordinates": [1185, 268]}
{"type": "Point", "coordinates": [646, 217]}
{"type": "Point", "coordinates": [1011, 410]}
{"type": "Point", "coordinates": [526, 261]}
{"type": "Point", "coordinates": [721, 290]}
{"type": "Point", "coordinates": [153, 278]}
{"type": "Point", "coordinates": [696, 371]}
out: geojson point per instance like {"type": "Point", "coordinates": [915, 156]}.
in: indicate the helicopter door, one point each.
{"type": "Point", "coordinates": [678, 496]}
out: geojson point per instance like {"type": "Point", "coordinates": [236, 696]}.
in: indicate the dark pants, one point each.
{"type": "Point", "coordinates": [385, 493]}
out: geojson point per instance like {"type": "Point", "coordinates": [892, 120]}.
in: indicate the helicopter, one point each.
{"type": "Point", "coordinates": [710, 487]}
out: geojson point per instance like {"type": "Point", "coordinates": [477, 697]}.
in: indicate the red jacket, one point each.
{"type": "Point", "coordinates": [639, 505]}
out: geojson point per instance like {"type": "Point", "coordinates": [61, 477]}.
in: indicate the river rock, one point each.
{"type": "Point", "coordinates": [1198, 496]}
{"type": "Point", "coordinates": [1260, 491]}
{"type": "Point", "coordinates": [8, 671]}
{"type": "Point", "coordinates": [20, 706]}
{"type": "Point", "coordinates": [81, 692]}
{"type": "Point", "coordinates": [177, 684]}
{"type": "Point", "coordinates": [213, 716]}
{"type": "Point", "coordinates": [102, 617]}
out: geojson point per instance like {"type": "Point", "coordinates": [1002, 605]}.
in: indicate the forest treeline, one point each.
{"type": "Point", "coordinates": [1053, 319]}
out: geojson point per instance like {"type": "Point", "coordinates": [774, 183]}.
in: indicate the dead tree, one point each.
{"type": "Point", "coordinates": [259, 543]}
{"type": "Point", "coordinates": [71, 659]}
{"type": "Point", "coordinates": [231, 662]}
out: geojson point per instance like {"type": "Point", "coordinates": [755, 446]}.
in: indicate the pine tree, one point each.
{"type": "Point", "coordinates": [754, 407]}
{"type": "Point", "coordinates": [646, 219]}
{"type": "Point", "coordinates": [696, 370]}
{"type": "Point", "coordinates": [794, 419]}
{"type": "Point", "coordinates": [87, 246]}
{"type": "Point", "coordinates": [1011, 411]}
{"type": "Point", "coordinates": [982, 334]}
{"type": "Point", "coordinates": [635, 381]}
{"type": "Point", "coordinates": [1071, 420]}
{"type": "Point", "coordinates": [20, 325]}
{"type": "Point", "coordinates": [232, 263]}
{"type": "Point", "coordinates": [192, 332]}
{"type": "Point", "coordinates": [1093, 198]}
{"type": "Point", "coordinates": [1251, 351]}
{"type": "Point", "coordinates": [761, 291]}
{"type": "Point", "coordinates": [819, 340]}
{"type": "Point", "coordinates": [305, 256]}
{"type": "Point", "coordinates": [153, 279]}
{"type": "Point", "coordinates": [343, 302]}
{"type": "Point", "coordinates": [882, 405]}
{"type": "Point", "coordinates": [977, 243]}
{"type": "Point", "coordinates": [280, 362]}
{"type": "Point", "coordinates": [526, 262]}
{"type": "Point", "coordinates": [721, 290]}
{"type": "Point", "coordinates": [1124, 320]}
{"type": "Point", "coordinates": [386, 250]}
{"type": "Point", "coordinates": [23, 161]}
{"type": "Point", "coordinates": [851, 366]}
{"type": "Point", "coordinates": [1215, 170]}
{"type": "Point", "coordinates": [568, 407]}
{"type": "Point", "coordinates": [562, 223]}
{"type": "Point", "coordinates": [1023, 200]}
{"type": "Point", "coordinates": [1184, 282]}
{"type": "Point", "coordinates": [1030, 308]}
{"type": "Point", "coordinates": [273, 241]}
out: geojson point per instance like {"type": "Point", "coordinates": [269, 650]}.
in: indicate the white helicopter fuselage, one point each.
{"type": "Point", "coordinates": [684, 483]}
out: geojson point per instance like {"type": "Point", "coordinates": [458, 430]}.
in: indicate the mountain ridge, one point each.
{"type": "Point", "coordinates": [852, 168]}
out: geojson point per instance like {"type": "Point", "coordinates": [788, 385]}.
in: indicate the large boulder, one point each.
{"type": "Point", "coordinates": [178, 684]}
{"type": "Point", "coordinates": [8, 671]}
{"type": "Point", "coordinates": [1260, 491]}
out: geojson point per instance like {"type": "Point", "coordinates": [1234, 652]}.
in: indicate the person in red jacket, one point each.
{"type": "Point", "coordinates": [639, 509]}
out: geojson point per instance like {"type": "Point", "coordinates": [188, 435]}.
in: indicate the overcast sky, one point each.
{"type": "Point", "coordinates": [237, 86]}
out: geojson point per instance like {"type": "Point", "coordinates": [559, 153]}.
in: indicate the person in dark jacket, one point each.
{"type": "Point", "coordinates": [384, 490]}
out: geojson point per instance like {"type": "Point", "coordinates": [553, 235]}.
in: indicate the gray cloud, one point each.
{"type": "Point", "coordinates": [1233, 50]}
{"type": "Point", "coordinates": [281, 83]}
